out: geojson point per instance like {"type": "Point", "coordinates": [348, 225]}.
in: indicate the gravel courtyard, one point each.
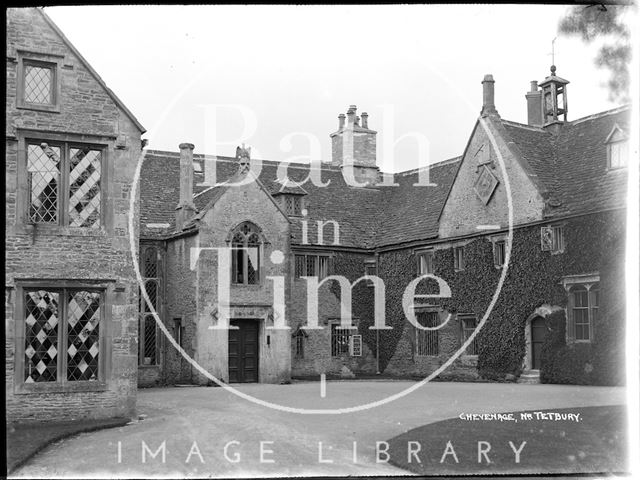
{"type": "Point", "coordinates": [210, 432]}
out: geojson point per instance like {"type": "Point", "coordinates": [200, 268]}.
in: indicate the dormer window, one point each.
{"type": "Point", "coordinates": [617, 148]}
{"type": "Point", "coordinates": [291, 204]}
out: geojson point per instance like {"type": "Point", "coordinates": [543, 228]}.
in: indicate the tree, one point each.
{"type": "Point", "coordinates": [593, 22]}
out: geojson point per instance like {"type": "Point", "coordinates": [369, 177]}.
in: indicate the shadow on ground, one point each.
{"type": "Point", "coordinates": [594, 444]}
{"type": "Point", "coordinates": [24, 441]}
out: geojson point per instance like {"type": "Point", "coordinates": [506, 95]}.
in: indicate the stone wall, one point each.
{"type": "Point", "coordinates": [49, 254]}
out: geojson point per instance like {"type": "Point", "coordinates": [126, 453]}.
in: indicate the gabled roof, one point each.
{"type": "Point", "coordinates": [569, 168]}
{"type": "Point", "coordinates": [88, 66]}
{"type": "Point", "coordinates": [572, 163]}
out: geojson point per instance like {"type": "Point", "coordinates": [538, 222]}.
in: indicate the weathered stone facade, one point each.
{"type": "Point", "coordinates": [566, 254]}
{"type": "Point", "coordinates": [55, 255]}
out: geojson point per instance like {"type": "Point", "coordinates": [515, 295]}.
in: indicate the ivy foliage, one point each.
{"type": "Point", "coordinates": [594, 243]}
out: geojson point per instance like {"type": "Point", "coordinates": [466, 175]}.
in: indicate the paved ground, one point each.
{"type": "Point", "coordinates": [214, 417]}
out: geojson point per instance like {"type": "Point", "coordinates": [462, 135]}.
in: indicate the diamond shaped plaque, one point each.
{"type": "Point", "coordinates": [486, 184]}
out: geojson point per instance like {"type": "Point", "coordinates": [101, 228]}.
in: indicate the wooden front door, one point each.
{"type": "Point", "coordinates": [243, 351]}
{"type": "Point", "coordinates": [538, 331]}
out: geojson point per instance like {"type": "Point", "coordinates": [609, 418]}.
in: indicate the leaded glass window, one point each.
{"type": "Point", "coordinates": [62, 335]}
{"type": "Point", "coordinates": [246, 247]}
{"type": "Point", "coordinates": [148, 344]}
{"type": "Point", "coordinates": [64, 184]}
{"type": "Point", "coordinates": [39, 84]}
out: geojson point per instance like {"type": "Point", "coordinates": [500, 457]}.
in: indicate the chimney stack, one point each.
{"type": "Point", "coordinates": [488, 96]}
{"type": "Point", "coordinates": [534, 105]}
{"type": "Point", "coordinates": [353, 146]}
{"type": "Point", "coordinates": [185, 208]}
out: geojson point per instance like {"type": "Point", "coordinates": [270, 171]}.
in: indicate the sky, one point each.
{"type": "Point", "coordinates": [277, 77]}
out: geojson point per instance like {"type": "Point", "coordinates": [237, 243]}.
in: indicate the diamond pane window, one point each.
{"type": "Point", "coordinates": [78, 170]}
{"type": "Point", "coordinates": [41, 336]}
{"type": "Point", "coordinates": [43, 170]}
{"type": "Point", "coordinates": [38, 84]}
{"type": "Point", "coordinates": [62, 335]}
{"type": "Point", "coordinates": [149, 347]}
{"type": "Point", "coordinates": [83, 335]}
{"type": "Point", "coordinates": [84, 187]}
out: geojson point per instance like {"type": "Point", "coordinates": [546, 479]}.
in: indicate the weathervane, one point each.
{"type": "Point", "coordinates": [553, 54]}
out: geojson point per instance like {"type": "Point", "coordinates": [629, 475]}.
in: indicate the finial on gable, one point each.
{"type": "Point", "coordinates": [243, 155]}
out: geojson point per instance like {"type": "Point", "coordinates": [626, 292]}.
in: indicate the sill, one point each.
{"type": "Point", "coordinates": [148, 366]}
{"type": "Point", "coordinates": [54, 387]}
{"type": "Point", "coordinates": [58, 230]}
{"type": "Point", "coordinates": [39, 108]}
{"type": "Point", "coordinates": [557, 252]}
{"type": "Point", "coordinates": [458, 270]}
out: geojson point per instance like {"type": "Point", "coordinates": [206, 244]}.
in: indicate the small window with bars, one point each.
{"type": "Point", "coordinates": [64, 183]}
{"type": "Point", "coordinates": [341, 340]}
{"type": "Point", "coordinates": [312, 265]}
{"type": "Point", "coordinates": [468, 324]}
{"type": "Point", "coordinates": [62, 335]}
{"type": "Point", "coordinates": [427, 340]}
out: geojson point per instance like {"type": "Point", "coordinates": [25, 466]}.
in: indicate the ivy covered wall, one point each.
{"type": "Point", "coordinates": [594, 243]}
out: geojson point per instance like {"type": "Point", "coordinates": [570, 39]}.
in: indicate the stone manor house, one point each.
{"type": "Point", "coordinates": [549, 292]}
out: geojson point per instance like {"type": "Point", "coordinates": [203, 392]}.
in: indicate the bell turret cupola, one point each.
{"type": "Point", "coordinates": [554, 98]}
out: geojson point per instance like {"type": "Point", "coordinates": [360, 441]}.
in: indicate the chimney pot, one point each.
{"type": "Point", "coordinates": [351, 115]}
{"type": "Point", "coordinates": [341, 118]}
{"type": "Point", "coordinates": [488, 95]}
{"type": "Point", "coordinates": [534, 85]}
{"type": "Point", "coordinates": [365, 120]}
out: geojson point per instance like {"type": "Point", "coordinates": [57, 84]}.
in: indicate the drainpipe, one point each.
{"type": "Point", "coordinates": [377, 330]}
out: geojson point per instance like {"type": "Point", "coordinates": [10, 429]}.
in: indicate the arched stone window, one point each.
{"type": "Point", "coordinates": [246, 242]}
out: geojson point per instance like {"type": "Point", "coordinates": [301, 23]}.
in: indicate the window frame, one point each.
{"type": "Point", "coordinates": [590, 283]}
{"type": "Point", "coordinates": [425, 253]}
{"type": "Point", "coordinates": [346, 333]}
{"type": "Point", "coordinates": [499, 246]}
{"type": "Point", "coordinates": [457, 259]}
{"type": "Point", "coordinates": [316, 273]}
{"type": "Point", "coordinates": [423, 334]}
{"type": "Point", "coordinates": [466, 332]}
{"type": "Point", "coordinates": [24, 223]}
{"type": "Point", "coordinates": [558, 239]}
{"type": "Point", "coordinates": [62, 385]}
{"type": "Point", "coordinates": [619, 138]}
{"type": "Point", "coordinates": [144, 312]}
{"type": "Point", "coordinates": [45, 60]}
{"type": "Point", "coordinates": [245, 255]}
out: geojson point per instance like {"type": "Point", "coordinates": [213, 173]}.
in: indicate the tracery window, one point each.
{"type": "Point", "coordinates": [246, 247]}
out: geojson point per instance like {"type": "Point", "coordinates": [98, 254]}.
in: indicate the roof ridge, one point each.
{"type": "Point", "coordinates": [441, 163]}
{"type": "Point", "coordinates": [524, 125]}
{"type": "Point", "coordinates": [601, 114]}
